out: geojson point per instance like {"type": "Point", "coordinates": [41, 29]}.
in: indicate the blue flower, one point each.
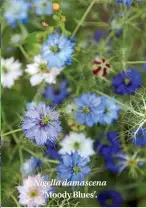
{"type": "Point", "coordinates": [52, 151]}
{"type": "Point", "coordinates": [140, 139]}
{"type": "Point", "coordinates": [16, 11]}
{"type": "Point", "coordinates": [89, 108]}
{"type": "Point", "coordinates": [43, 7]}
{"type": "Point", "coordinates": [111, 110]}
{"type": "Point", "coordinates": [58, 50]}
{"type": "Point", "coordinates": [115, 198]}
{"type": "Point", "coordinates": [30, 166]}
{"type": "Point", "coordinates": [126, 2]}
{"type": "Point", "coordinates": [73, 167]}
{"type": "Point", "coordinates": [99, 34]}
{"type": "Point", "coordinates": [41, 124]}
{"type": "Point", "coordinates": [56, 93]}
{"type": "Point", "coordinates": [127, 82]}
{"type": "Point", "coordinates": [108, 151]}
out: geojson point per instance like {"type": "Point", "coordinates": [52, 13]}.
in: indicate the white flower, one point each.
{"type": "Point", "coordinates": [70, 108]}
{"type": "Point", "coordinates": [11, 70]}
{"type": "Point", "coordinates": [77, 142]}
{"type": "Point", "coordinates": [40, 72]}
{"type": "Point", "coordinates": [32, 192]}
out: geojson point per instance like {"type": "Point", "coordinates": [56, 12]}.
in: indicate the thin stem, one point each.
{"type": "Point", "coordinates": [15, 200]}
{"type": "Point", "coordinates": [136, 62]}
{"type": "Point", "coordinates": [24, 53]}
{"type": "Point", "coordinates": [83, 18]}
{"type": "Point", "coordinates": [41, 158]}
{"type": "Point", "coordinates": [11, 132]}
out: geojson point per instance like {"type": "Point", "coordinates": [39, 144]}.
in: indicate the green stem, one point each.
{"type": "Point", "coordinates": [24, 53]}
{"type": "Point", "coordinates": [11, 132]}
{"type": "Point", "coordinates": [15, 200]}
{"type": "Point", "coordinates": [136, 62]}
{"type": "Point", "coordinates": [83, 18]}
{"type": "Point", "coordinates": [39, 157]}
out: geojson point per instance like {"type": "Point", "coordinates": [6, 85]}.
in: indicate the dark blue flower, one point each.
{"type": "Point", "coordinates": [41, 124]}
{"type": "Point", "coordinates": [16, 11]}
{"type": "Point", "coordinates": [73, 167]}
{"type": "Point", "coordinates": [140, 139]}
{"type": "Point", "coordinates": [58, 50]}
{"type": "Point", "coordinates": [99, 34]}
{"type": "Point", "coordinates": [56, 93]}
{"type": "Point", "coordinates": [89, 108]}
{"type": "Point", "coordinates": [127, 82]}
{"type": "Point", "coordinates": [52, 151]}
{"type": "Point", "coordinates": [110, 198]}
{"type": "Point", "coordinates": [108, 151]}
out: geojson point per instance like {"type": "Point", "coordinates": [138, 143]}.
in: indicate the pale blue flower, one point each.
{"type": "Point", "coordinates": [73, 167]}
{"type": "Point", "coordinates": [16, 10]}
{"type": "Point", "coordinates": [43, 7]}
{"type": "Point", "coordinates": [89, 109]}
{"type": "Point", "coordinates": [58, 50]}
{"type": "Point", "coordinates": [41, 124]}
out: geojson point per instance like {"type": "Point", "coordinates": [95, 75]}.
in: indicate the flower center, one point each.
{"type": "Point", "coordinates": [132, 163]}
{"type": "Point", "coordinates": [45, 121]}
{"type": "Point", "coordinates": [33, 193]}
{"type": "Point", "coordinates": [107, 111]}
{"type": "Point", "coordinates": [54, 49]}
{"type": "Point", "coordinates": [43, 68]}
{"type": "Point", "coordinates": [76, 169]}
{"type": "Point", "coordinates": [86, 110]}
{"type": "Point", "coordinates": [127, 81]}
{"type": "Point", "coordinates": [76, 145]}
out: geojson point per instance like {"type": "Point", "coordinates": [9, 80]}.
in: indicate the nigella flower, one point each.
{"type": "Point", "coordinates": [109, 150]}
{"type": "Point", "coordinates": [73, 167]}
{"type": "Point", "coordinates": [16, 11]}
{"type": "Point", "coordinates": [126, 2]}
{"type": "Point", "coordinates": [99, 34]}
{"type": "Point", "coordinates": [140, 138]}
{"type": "Point", "coordinates": [58, 50]}
{"type": "Point", "coordinates": [43, 7]}
{"type": "Point", "coordinates": [111, 111]}
{"type": "Point", "coordinates": [41, 124]}
{"type": "Point", "coordinates": [32, 193]}
{"type": "Point", "coordinates": [40, 72]}
{"type": "Point", "coordinates": [89, 108]}
{"type": "Point", "coordinates": [130, 162]}
{"type": "Point", "coordinates": [110, 198]}
{"type": "Point", "coordinates": [101, 67]}
{"type": "Point", "coordinates": [52, 151]}
{"type": "Point", "coordinates": [77, 142]}
{"type": "Point", "coordinates": [56, 93]}
{"type": "Point", "coordinates": [127, 82]}
{"type": "Point", "coordinates": [11, 71]}
{"type": "Point", "coordinates": [30, 166]}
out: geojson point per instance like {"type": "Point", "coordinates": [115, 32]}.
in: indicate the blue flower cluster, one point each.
{"type": "Point", "coordinates": [126, 2]}
{"type": "Point", "coordinates": [92, 109]}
